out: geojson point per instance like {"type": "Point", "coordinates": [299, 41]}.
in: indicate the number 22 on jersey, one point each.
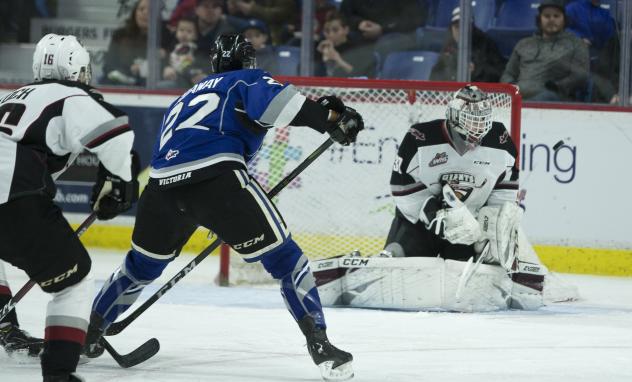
{"type": "Point", "coordinates": [209, 102]}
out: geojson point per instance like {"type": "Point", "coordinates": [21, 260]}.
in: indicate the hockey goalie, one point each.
{"type": "Point", "coordinates": [455, 242]}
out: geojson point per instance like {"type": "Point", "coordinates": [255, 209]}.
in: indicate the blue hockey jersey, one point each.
{"type": "Point", "coordinates": [223, 118]}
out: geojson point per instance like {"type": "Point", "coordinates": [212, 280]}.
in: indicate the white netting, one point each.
{"type": "Point", "coordinates": [342, 201]}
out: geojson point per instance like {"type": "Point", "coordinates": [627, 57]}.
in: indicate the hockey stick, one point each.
{"type": "Point", "coordinates": [142, 353]}
{"type": "Point", "coordinates": [27, 287]}
{"type": "Point", "coordinates": [470, 270]}
{"type": "Point", "coordinates": [139, 355]}
{"type": "Point", "coordinates": [117, 327]}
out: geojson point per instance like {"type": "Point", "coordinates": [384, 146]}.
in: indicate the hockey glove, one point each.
{"type": "Point", "coordinates": [111, 195]}
{"type": "Point", "coordinates": [346, 127]}
{"type": "Point", "coordinates": [428, 214]}
{"type": "Point", "coordinates": [332, 103]}
{"type": "Point", "coordinates": [458, 223]}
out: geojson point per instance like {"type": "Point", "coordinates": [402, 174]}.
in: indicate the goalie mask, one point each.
{"type": "Point", "coordinates": [232, 52]}
{"type": "Point", "coordinates": [469, 114]}
{"type": "Point", "coordinates": [59, 57]}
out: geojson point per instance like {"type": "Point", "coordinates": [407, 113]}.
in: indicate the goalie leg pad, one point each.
{"type": "Point", "coordinates": [500, 226]}
{"type": "Point", "coordinates": [125, 285]}
{"type": "Point", "coordinates": [527, 286]}
{"type": "Point", "coordinates": [298, 287]}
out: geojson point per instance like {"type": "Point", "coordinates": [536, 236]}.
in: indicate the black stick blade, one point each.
{"type": "Point", "coordinates": [139, 355]}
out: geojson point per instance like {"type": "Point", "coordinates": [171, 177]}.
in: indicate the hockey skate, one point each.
{"type": "Point", "coordinates": [18, 342]}
{"type": "Point", "coordinates": [93, 347]}
{"type": "Point", "coordinates": [72, 377]}
{"type": "Point", "coordinates": [334, 364]}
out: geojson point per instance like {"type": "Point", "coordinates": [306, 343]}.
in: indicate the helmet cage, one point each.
{"type": "Point", "coordinates": [470, 116]}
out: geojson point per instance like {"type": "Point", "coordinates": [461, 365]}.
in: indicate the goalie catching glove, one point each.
{"type": "Point", "coordinates": [111, 195]}
{"type": "Point", "coordinates": [348, 123]}
{"type": "Point", "coordinates": [455, 223]}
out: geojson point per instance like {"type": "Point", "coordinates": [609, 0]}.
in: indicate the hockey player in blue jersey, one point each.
{"type": "Point", "coordinates": [199, 177]}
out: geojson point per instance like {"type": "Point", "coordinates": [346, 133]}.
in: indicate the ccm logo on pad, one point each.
{"type": "Point", "coordinates": [61, 277]}
{"type": "Point", "coordinates": [250, 242]}
{"type": "Point", "coordinates": [356, 262]}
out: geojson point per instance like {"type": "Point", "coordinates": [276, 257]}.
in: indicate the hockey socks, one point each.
{"type": "Point", "coordinates": [287, 264]}
{"type": "Point", "coordinates": [298, 288]}
{"type": "Point", "coordinates": [66, 325]}
{"type": "Point", "coordinates": [125, 285]}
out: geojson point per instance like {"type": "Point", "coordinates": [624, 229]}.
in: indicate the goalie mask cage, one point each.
{"type": "Point", "coordinates": [342, 202]}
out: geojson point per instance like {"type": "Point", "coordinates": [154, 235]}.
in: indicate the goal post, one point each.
{"type": "Point", "coordinates": [342, 203]}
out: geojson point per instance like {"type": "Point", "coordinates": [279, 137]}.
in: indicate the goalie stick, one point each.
{"type": "Point", "coordinates": [471, 269]}
{"type": "Point", "coordinates": [119, 326]}
{"type": "Point", "coordinates": [29, 284]}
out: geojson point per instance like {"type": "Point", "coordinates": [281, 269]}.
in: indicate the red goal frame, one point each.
{"type": "Point", "coordinates": [411, 87]}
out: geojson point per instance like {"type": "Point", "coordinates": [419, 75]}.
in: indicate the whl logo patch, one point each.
{"type": "Point", "coordinates": [417, 134]}
{"type": "Point", "coordinates": [440, 158]}
{"type": "Point", "coordinates": [504, 138]}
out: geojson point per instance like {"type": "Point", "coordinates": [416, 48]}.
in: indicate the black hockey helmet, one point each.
{"type": "Point", "coordinates": [232, 52]}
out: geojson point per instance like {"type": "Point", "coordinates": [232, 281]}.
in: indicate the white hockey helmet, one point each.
{"type": "Point", "coordinates": [61, 57]}
{"type": "Point", "coordinates": [469, 113]}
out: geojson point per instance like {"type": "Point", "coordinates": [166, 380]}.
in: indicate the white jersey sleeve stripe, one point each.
{"type": "Point", "coordinates": [283, 108]}
{"type": "Point", "coordinates": [105, 130]}
{"type": "Point", "coordinates": [407, 189]}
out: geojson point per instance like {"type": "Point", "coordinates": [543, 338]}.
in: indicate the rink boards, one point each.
{"type": "Point", "coordinates": [575, 225]}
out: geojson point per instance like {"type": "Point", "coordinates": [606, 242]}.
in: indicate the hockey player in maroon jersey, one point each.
{"type": "Point", "coordinates": [44, 126]}
{"type": "Point", "coordinates": [446, 172]}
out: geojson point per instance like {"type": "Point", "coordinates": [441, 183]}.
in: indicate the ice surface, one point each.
{"type": "Point", "coordinates": [208, 333]}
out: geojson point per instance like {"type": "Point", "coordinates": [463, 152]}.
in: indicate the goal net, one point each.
{"type": "Point", "coordinates": [342, 202]}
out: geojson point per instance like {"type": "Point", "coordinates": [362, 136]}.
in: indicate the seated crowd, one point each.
{"type": "Point", "coordinates": [568, 52]}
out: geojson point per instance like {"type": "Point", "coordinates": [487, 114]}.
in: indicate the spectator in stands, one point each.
{"type": "Point", "coordinates": [275, 13]}
{"type": "Point", "coordinates": [125, 62]}
{"type": "Point", "coordinates": [605, 73]}
{"type": "Point", "coordinates": [211, 24]}
{"type": "Point", "coordinates": [292, 31]}
{"type": "Point", "coordinates": [343, 58]}
{"type": "Point", "coordinates": [593, 24]}
{"type": "Point", "coordinates": [486, 65]}
{"type": "Point", "coordinates": [183, 9]}
{"type": "Point", "coordinates": [183, 54]}
{"type": "Point", "coordinates": [257, 33]}
{"type": "Point", "coordinates": [390, 24]}
{"type": "Point", "coordinates": [16, 16]}
{"type": "Point", "coordinates": [551, 65]}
